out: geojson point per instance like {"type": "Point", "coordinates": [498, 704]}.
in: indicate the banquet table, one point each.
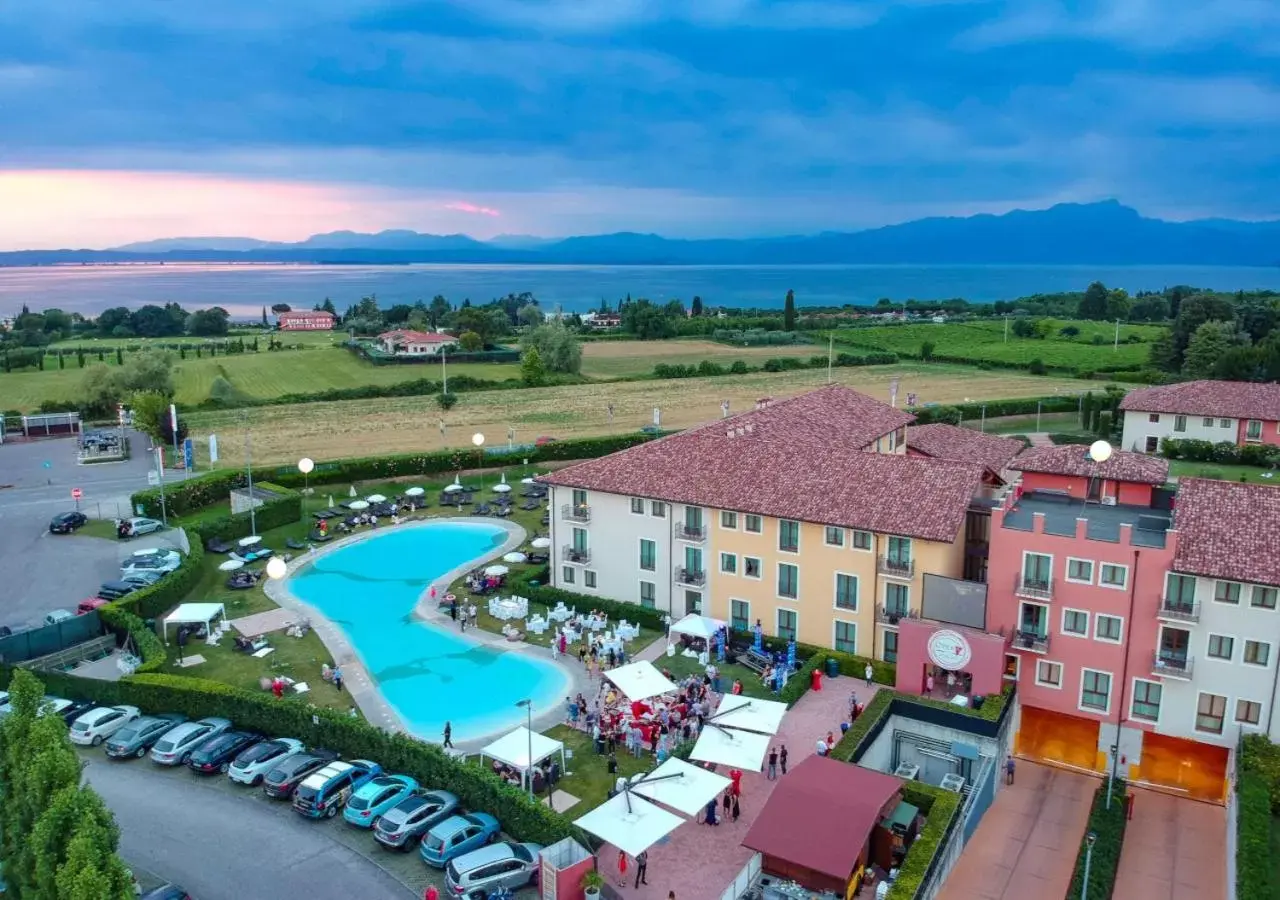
{"type": "Point", "coordinates": [507, 609]}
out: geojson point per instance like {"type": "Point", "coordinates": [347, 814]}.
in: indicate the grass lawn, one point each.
{"type": "Point", "coordinates": [591, 781]}
{"type": "Point", "coordinates": [615, 359]}
{"type": "Point", "coordinates": [1179, 468]}
{"type": "Point", "coordinates": [683, 666]}
{"type": "Point", "coordinates": [99, 528]}
{"type": "Point", "coordinates": [1051, 422]}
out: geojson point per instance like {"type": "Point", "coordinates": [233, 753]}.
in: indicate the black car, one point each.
{"type": "Point", "coordinates": [114, 590]}
{"type": "Point", "coordinates": [283, 780]}
{"type": "Point", "coordinates": [216, 754]}
{"type": "Point", "coordinates": [67, 522]}
{"type": "Point", "coordinates": [77, 708]}
{"type": "Point", "coordinates": [140, 735]}
{"type": "Point", "coordinates": [167, 892]}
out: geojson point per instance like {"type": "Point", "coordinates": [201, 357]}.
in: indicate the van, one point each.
{"type": "Point", "coordinates": [323, 793]}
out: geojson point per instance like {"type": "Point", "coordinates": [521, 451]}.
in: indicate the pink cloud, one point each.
{"type": "Point", "coordinates": [463, 206]}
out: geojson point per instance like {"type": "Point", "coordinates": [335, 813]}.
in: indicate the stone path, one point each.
{"type": "Point", "coordinates": [1174, 849]}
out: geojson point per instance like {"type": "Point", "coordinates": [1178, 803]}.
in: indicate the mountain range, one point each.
{"type": "Point", "coordinates": [1105, 233]}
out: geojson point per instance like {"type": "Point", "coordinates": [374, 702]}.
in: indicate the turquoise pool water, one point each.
{"type": "Point", "coordinates": [429, 674]}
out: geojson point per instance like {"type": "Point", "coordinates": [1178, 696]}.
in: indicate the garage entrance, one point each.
{"type": "Point", "coordinates": [1186, 768]}
{"type": "Point", "coordinates": [1056, 738]}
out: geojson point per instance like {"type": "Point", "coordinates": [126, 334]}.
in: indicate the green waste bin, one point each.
{"type": "Point", "coordinates": [833, 667]}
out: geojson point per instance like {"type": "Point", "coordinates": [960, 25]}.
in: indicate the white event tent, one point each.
{"type": "Point", "coordinates": [522, 749]}
{"type": "Point", "coordinates": [640, 680]}
{"type": "Point", "coordinates": [194, 614]}
{"type": "Point", "coordinates": [697, 626]}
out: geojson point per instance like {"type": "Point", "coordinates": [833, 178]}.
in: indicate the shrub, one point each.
{"type": "Point", "coordinates": [156, 599]}
{"type": "Point", "coordinates": [941, 808]}
{"type": "Point", "coordinates": [1037, 367]}
{"type": "Point", "coordinates": [1108, 825]}
{"type": "Point", "coordinates": [616, 609]}
{"type": "Point", "coordinates": [1257, 801]}
{"type": "Point", "coordinates": [284, 509]}
{"type": "Point", "coordinates": [850, 664]}
{"type": "Point", "coordinates": [446, 401]}
{"type": "Point", "coordinates": [1073, 437]}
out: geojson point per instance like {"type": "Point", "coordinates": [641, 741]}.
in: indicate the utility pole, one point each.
{"type": "Point", "coordinates": [1006, 329]}
{"type": "Point", "coordinates": [1116, 347]}
{"type": "Point", "coordinates": [1038, 404]}
{"type": "Point", "coordinates": [830, 348]}
{"type": "Point", "coordinates": [444, 371]}
{"type": "Point", "coordinates": [164, 507]}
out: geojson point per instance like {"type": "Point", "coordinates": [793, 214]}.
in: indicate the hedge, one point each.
{"type": "Point", "coordinates": [477, 788]}
{"type": "Point", "coordinates": [708, 369]}
{"type": "Point", "coordinates": [1023, 406]}
{"type": "Point", "coordinates": [850, 746]}
{"type": "Point", "coordinates": [1257, 802]}
{"type": "Point", "coordinates": [1108, 825]}
{"type": "Point", "coordinates": [283, 509]}
{"type": "Point", "coordinates": [616, 609]}
{"type": "Point", "coordinates": [1224, 452]}
{"type": "Point", "coordinates": [941, 809]}
{"type": "Point", "coordinates": [850, 664]}
{"type": "Point", "coordinates": [1072, 437]}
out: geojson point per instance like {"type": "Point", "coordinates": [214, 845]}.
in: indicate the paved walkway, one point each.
{"type": "Point", "coordinates": [1039, 439]}
{"type": "Point", "coordinates": [699, 862]}
{"type": "Point", "coordinates": [1026, 846]}
{"type": "Point", "coordinates": [1174, 849]}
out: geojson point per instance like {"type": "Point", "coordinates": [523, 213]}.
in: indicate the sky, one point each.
{"type": "Point", "coordinates": [139, 119]}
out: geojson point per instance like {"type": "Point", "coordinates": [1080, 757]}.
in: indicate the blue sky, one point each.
{"type": "Point", "coordinates": [143, 118]}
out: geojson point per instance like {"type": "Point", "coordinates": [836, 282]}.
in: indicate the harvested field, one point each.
{"type": "Point", "coordinates": [369, 427]}
{"type": "Point", "coordinates": [614, 359]}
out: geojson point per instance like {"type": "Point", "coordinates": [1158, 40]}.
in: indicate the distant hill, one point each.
{"type": "Point", "coordinates": [1105, 233]}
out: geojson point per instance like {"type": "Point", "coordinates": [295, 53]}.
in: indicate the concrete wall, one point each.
{"type": "Point", "coordinates": [1077, 486]}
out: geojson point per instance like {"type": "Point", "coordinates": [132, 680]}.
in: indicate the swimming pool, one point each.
{"type": "Point", "coordinates": [429, 674]}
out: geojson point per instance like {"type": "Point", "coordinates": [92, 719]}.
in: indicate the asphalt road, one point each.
{"type": "Point", "coordinates": [221, 841]}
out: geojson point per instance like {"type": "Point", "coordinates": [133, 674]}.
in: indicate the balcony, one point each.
{"type": "Point", "coordinates": [1176, 611]}
{"type": "Point", "coordinates": [694, 534]}
{"type": "Point", "coordinates": [571, 513]}
{"type": "Point", "coordinates": [1167, 665]}
{"type": "Point", "coordinates": [1031, 640]}
{"type": "Point", "coordinates": [579, 555]}
{"type": "Point", "coordinates": [897, 568]}
{"type": "Point", "coordinates": [1033, 588]}
{"type": "Point", "coordinates": [692, 577]}
{"type": "Point", "coordinates": [892, 615]}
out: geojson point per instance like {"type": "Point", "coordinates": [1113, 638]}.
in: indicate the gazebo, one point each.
{"type": "Point", "coordinates": [194, 614]}
{"type": "Point", "coordinates": [522, 749]}
{"type": "Point", "coordinates": [696, 626]}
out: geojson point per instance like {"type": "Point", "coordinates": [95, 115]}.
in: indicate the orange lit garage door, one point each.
{"type": "Point", "coordinates": [1056, 738]}
{"type": "Point", "coordinates": [1187, 768]}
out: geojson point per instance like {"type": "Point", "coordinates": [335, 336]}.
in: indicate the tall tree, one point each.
{"type": "Point", "coordinates": [1208, 345]}
{"type": "Point", "coordinates": [1093, 305]}
{"type": "Point", "coordinates": [1192, 313]}
{"type": "Point", "coordinates": [532, 371]}
{"type": "Point", "coordinates": [789, 312]}
{"type": "Point", "coordinates": [264, 317]}
{"type": "Point", "coordinates": [695, 308]}
{"type": "Point", "coordinates": [558, 347]}
{"type": "Point", "coordinates": [438, 309]}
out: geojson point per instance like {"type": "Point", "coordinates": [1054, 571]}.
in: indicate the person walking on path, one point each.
{"type": "Point", "coordinates": [1008, 769]}
{"type": "Point", "coordinates": [431, 893]}
{"type": "Point", "coordinates": [337, 678]}
{"type": "Point", "coordinates": [712, 808]}
{"type": "Point", "coordinates": [773, 764]}
{"type": "Point", "coordinates": [736, 809]}
{"type": "Point", "coordinates": [642, 868]}
{"type": "Point", "coordinates": [869, 672]}
{"type": "Point", "coordinates": [448, 734]}
{"type": "Point", "coordinates": [622, 868]}
{"type": "Point", "coordinates": [782, 758]}
{"type": "Point", "coordinates": [453, 609]}
{"type": "Point", "coordinates": [728, 800]}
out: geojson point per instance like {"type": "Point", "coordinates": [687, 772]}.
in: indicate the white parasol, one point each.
{"type": "Point", "coordinates": [681, 786]}
{"type": "Point", "coordinates": [414, 492]}
{"type": "Point", "coordinates": [640, 680]}
{"type": "Point", "coordinates": [352, 492]}
{"type": "Point", "coordinates": [540, 543]}
{"type": "Point", "coordinates": [502, 488]}
{"type": "Point", "coordinates": [250, 540]}
{"type": "Point", "coordinates": [749, 714]}
{"type": "Point", "coordinates": [231, 565]}
{"type": "Point", "coordinates": [357, 505]}
{"type": "Point", "coordinates": [630, 823]}
{"type": "Point", "coordinates": [527, 481]}
{"type": "Point", "coordinates": [376, 498]}
{"type": "Point", "coordinates": [496, 570]}
{"type": "Point", "coordinates": [453, 488]}
{"type": "Point", "coordinates": [515, 557]}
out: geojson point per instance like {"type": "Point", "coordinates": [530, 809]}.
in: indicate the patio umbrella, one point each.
{"type": "Point", "coordinates": [527, 481]}
{"type": "Point", "coordinates": [352, 492]}
{"type": "Point", "coordinates": [515, 557]}
{"type": "Point", "coordinates": [540, 543]}
{"type": "Point", "coordinates": [640, 680]}
{"type": "Point", "coordinates": [502, 488]}
{"type": "Point", "coordinates": [630, 823]}
{"type": "Point", "coordinates": [683, 787]}
{"type": "Point", "coordinates": [250, 540]}
{"type": "Point", "coordinates": [749, 714]}
{"type": "Point", "coordinates": [231, 565]}
{"type": "Point", "coordinates": [414, 492]}
{"type": "Point", "coordinates": [730, 747]}
{"type": "Point", "coordinates": [453, 488]}
{"type": "Point", "coordinates": [376, 498]}
{"type": "Point", "coordinates": [331, 501]}
{"type": "Point", "coordinates": [496, 570]}
{"type": "Point", "coordinates": [357, 505]}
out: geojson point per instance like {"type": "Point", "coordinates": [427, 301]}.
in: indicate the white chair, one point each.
{"type": "Point", "coordinates": [536, 626]}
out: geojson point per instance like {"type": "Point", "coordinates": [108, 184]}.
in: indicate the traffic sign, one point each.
{"type": "Point", "coordinates": [76, 493]}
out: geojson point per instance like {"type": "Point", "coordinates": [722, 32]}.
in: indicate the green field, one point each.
{"type": "Point", "coordinates": [288, 338]}
{"type": "Point", "coordinates": [1181, 468]}
{"type": "Point", "coordinates": [984, 341]}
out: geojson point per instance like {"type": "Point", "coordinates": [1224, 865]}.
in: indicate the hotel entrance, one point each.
{"type": "Point", "coordinates": [1053, 737]}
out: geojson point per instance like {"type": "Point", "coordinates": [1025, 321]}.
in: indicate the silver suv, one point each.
{"type": "Point", "coordinates": [503, 865]}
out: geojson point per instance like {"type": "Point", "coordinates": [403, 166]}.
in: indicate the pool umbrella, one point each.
{"type": "Point", "coordinates": [527, 481]}
{"type": "Point", "coordinates": [630, 823]}
{"type": "Point", "coordinates": [331, 501]}
{"type": "Point", "coordinates": [640, 680]}
{"type": "Point", "coordinates": [352, 492]}
{"type": "Point", "coordinates": [515, 557]}
{"type": "Point", "coordinates": [682, 787]}
{"type": "Point", "coordinates": [358, 505]}
{"type": "Point", "coordinates": [414, 492]}
{"type": "Point", "coordinates": [501, 488]}
{"type": "Point", "coordinates": [540, 543]}
{"type": "Point", "coordinates": [730, 747]}
{"type": "Point", "coordinates": [453, 488]}
{"type": "Point", "coordinates": [749, 714]}
{"type": "Point", "coordinates": [496, 570]}
{"type": "Point", "coordinates": [231, 565]}
{"type": "Point", "coordinates": [376, 498]}
{"type": "Point", "coordinates": [250, 540]}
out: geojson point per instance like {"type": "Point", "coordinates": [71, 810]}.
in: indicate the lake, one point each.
{"type": "Point", "coordinates": [245, 289]}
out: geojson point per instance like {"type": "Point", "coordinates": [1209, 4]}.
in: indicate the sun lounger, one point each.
{"type": "Point", "coordinates": [215, 545]}
{"type": "Point", "coordinates": [295, 545]}
{"type": "Point", "coordinates": [318, 537]}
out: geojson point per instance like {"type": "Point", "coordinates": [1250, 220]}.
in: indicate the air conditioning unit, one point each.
{"type": "Point", "coordinates": [909, 771]}
{"type": "Point", "coordinates": [1108, 501]}
{"type": "Point", "coordinates": [952, 782]}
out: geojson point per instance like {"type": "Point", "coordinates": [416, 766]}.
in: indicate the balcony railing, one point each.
{"type": "Point", "coordinates": [695, 534]}
{"type": "Point", "coordinates": [1033, 588]}
{"type": "Point", "coordinates": [1171, 666]}
{"type": "Point", "coordinates": [1031, 640]}
{"type": "Point", "coordinates": [1178, 611]}
{"type": "Point", "coordinates": [579, 555]}
{"type": "Point", "coordinates": [902, 568]}
{"type": "Point", "coordinates": [573, 513]}
{"type": "Point", "coordinates": [892, 615]}
{"type": "Point", "coordinates": [695, 577]}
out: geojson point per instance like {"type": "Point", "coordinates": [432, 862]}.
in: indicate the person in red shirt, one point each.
{"type": "Point", "coordinates": [431, 893]}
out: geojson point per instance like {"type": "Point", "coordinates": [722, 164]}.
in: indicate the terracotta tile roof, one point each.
{"type": "Point", "coordinates": [799, 459]}
{"type": "Point", "coordinates": [1228, 530]}
{"type": "Point", "coordinates": [963, 444]}
{"type": "Point", "coordinates": [1220, 399]}
{"type": "Point", "coordinates": [1073, 459]}
{"type": "Point", "coordinates": [416, 337]}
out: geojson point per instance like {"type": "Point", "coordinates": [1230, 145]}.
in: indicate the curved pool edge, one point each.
{"type": "Point", "coordinates": [360, 685]}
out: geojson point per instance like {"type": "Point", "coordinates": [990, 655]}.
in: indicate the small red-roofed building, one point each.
{"type": "Point", "coordinates": [1239, 412]}
{"type": "Point", "coordinates": [406, 342]}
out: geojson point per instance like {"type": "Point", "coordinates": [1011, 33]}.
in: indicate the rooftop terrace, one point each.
{"type": "Point", "coordinates": [1149, 526]}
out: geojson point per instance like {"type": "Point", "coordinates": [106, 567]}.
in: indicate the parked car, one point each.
{"type": "Point", "coordinates": [67, 522]}
{"type": "Point", "coordinates": [177, 745]}
{"type": "Point", "coordinates": [412, 817]}
{"type": "Point", "coordinates": [140, 735]}
{"type": "Point", "coordinates": [167, 892]}
{"type": "Point", "coordinates": [140, 578]}
{"type": "Point", "coordinates": [216, 753]}
{"type": "Point", "coordinates": [67, 710]}
{"type": "Point", "coordinates": [92, 728]}
{"type": "Point", "coordinates": [58, 615]}
{"type": "Point", "coordinates": [543, 440]}
{"type": "Point", "coordinates": [325, 792]}
{"type": "Point", "coordinates": [89, 604]}
{"type": "Point", "coordinates": [161, 561]}
{"type": "Point", "coordinates": [458, 835]}
{"type": "Point", "coordinates": [283, 779]}
{"type": "Point", "coordinates": [375, 797]}
{"type": "Point", "coordinates": [114, 590]}
{"type": "Point", "coordinates": [485, 871]}
{"type": "Point", "coordinates": [138, 525]}
{"type": "Point", "coordinates": [252, 764]}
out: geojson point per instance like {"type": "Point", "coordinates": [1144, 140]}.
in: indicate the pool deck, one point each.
{"type": "Point", "coordinates": [356, 679]}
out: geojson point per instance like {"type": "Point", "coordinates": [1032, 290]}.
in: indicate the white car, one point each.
{"type": "Point", "coordinates": [97, 725]}
{"type": "Point", "coordinates": [154, 560]}
{"type": "Point", "coordinates": [253, 763]}
{"type": "Point", "coordinates": [139, 526]}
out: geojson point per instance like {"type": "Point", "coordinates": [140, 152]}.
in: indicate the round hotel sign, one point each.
{"type": "Point", "coordinates": [949, 650]}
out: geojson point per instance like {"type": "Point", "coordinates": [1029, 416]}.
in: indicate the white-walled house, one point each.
{"type": "Point", "coordinates": [1239, 412]}
{"type": "Point", "coordinates": [404, 342]}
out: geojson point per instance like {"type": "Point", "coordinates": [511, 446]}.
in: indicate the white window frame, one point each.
{"type": "Point", "coordinates": [1247, 428]}
{"type": "Point", "coordinates": [1106, 640]}
{"type": "Point", "coordinates": [733, 600]}
{"type": "Point", "coordinates": [1208, 422]}
{"type": "Point", "coordinates": [746, 519]}
{"type": "Point", "coordinates": [835, 592]}
{"type": "Point", "coordinates": [1227, 714]}
{"type": "Point", "coordinates": [1088, 621]}
{"type": "Point", "coordinates": [1224, 423]}
{"type": "Point", "coordinates": [1244, 652]}
{"type": "Point", "coordinates": [637, 501]}
{"type": "Point", "coordinates": [1208, 642]}
{"type": "Point", "coordinates": [1049, 684]}
{"type": "Point", "coordinates": [1239, 595]}
{"type": "Point", "coordinates": [658, 509]}
{"type": "Point", "coordinates": [1179, 424]}
{"type": "Point", "coordinates": [777, 629]}
{"type": "Point", "coordinates": [826, 535]}
{"type": "Point", "coordinates": [728, 512]}
{"type": "Point", "coordinates": [777, 577]}
{"type": "Point", "coordinates": [590, 580]}
{"type": "Point", "coordinates": [857, 636]}
{"type": "Point", "coordinates": [1262, 587]}
{"type": "Point", "coordinates": [640, 555]}
{"type": "Point", "coordinates": [640, 583]}
{"type": "Point", "coordinates": [722, 570]}
{"type": "Point", "coordinates": [871, 545]}
{"type": "Point", "coordinates": [1113, 587]}
{"type": "Point", "coordinates": [567, 576]}
{"type": "Point", "coordinates": [759, 568]}
{"type": "Point", "coordinates": [1093, 567]}
{"type": "Point", "coordinates": [1111, 690]}
{"type": "Point", "coordinates": [1133, 698]}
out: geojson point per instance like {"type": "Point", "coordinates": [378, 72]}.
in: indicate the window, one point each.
{"type": "Point", "coordinates": [658, 509]}
{"type": "Point", "coordinates": [1179, 423]}
{"type": "Point", "coordinates": [1075, 621]}
{"type": "Point", "coordinates": [648, 594]}
{"type": "Point", "coordinates": [788, 581]}
{"type": "Point", "coordinates": [728, 520]}
{"type": "Point", "coordinates": [1146, 700]}
{"type": "Point", "coordinates": [900, 550]}
{"type": "Point", "coordinates": [834, 536]}
{"type": "Point", "coordinates": [692, 603]}
{"type": "Point", "coordinates": [637, 506]}
{"type": "Point", "coordinates": [1113, 576]}
{"type": "Point", "coordinates": [1080, 570]}
{"type": "Point", "coordinates": [891, 646]}
{"type": "Point", "coordinates": [1248, 712]}
{"type": "Point", "coordinates": [1037, 571]}
{"type": "Point", "coordinates": [1221, 646]}
{"type": "Point", "coordinates": [1263, 598]}
{"type": "Point", "coordinates": [1253, 431]}
{"type": "Point", "coordinates": [897, 598]}
{"type": "Point", "coordinates": [1226, 592]}
{"type": "Point", "coordinates": [648, 555]}
{"type": "Point", "coordinates": [1108, 628]}
{"type": "Point", "coordinates": [739, 615]}
{"type": "Point", "coordinates": [846, 637]}
{"type": "Point", "coordinates": [751, 566]}
{"type": "Point", "coordinates": [1180, 590]}
{"type": "Point", "coordinates": [729, 563]}
{"type": "Point", "coordinates": [1208, 422]}
{"type": "Point", "coordinates": [1153, 417]}
{"type": "Point", "coordinates": [861, 540]}
{"type": "Point", "coordinates": [1211, 709]}
{"type": "Point", "coordinates": [846, 592]}
{"type": "Point", "coordinates": [566, 574]}
{"type": "Point", "coordinates": [754, 524]}
{"type": "Point", "coordinates": [1095, 690]}
{"type": "Point", "coordinates": [579, 498]}
{"type": "Point", "coordinates": [1224, 423]}
{"type": "Point", "coordinates": [693, 519]}
{"type": "Point", "coordinates": [589, 579]}
{"type": "Point", "coordinates": [580, 540]}
{"type": "Point", "coordinates": [1048, 674]}
{"type": "Point", "coordinates": [1256, 653]}
{"type": "Point", "coordinates": [787, 619]}
{"type": "Point", "coordinates": [788, 535]}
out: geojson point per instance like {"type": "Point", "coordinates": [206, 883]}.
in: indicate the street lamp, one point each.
{"type": "Point", "coordinates": [305, 465]}
{"type": "Point", "coordinates": [478, 440]}
{"type": "Point", "coordinates": [528, 769]}
{"type": "Point", "coordinates": [1088, 859]}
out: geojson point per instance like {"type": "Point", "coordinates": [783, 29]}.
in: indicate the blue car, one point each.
{"type": "Point", "coordinates": [458, 835]}
{"type": "Point", "coordinates": [376, 797]}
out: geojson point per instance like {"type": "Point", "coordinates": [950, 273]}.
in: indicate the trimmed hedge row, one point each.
{"type": "Point", "coordinates": [1257, 802]}
{"type": "Point", "coordinates": [1108, 825]}
{"type": "Point", "coordinates": [940, 808]}
{"type": "Point", "coordinates": [1073, 437]}
{"type": "Point", "coordinates": [1023, 406]}
{"type": "Point", "coordinates": [477, 788]}
{"type": "Point", "coordinates": [126, 625]}
{"type": "Point", "coordinates": [1225, 452]}
{"type": "Point", "coordinates": [284, 509]}
{"type": "Point", "coordinates": [850, 746]}
{"type": "Point", "coordinates": [615, 609]}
